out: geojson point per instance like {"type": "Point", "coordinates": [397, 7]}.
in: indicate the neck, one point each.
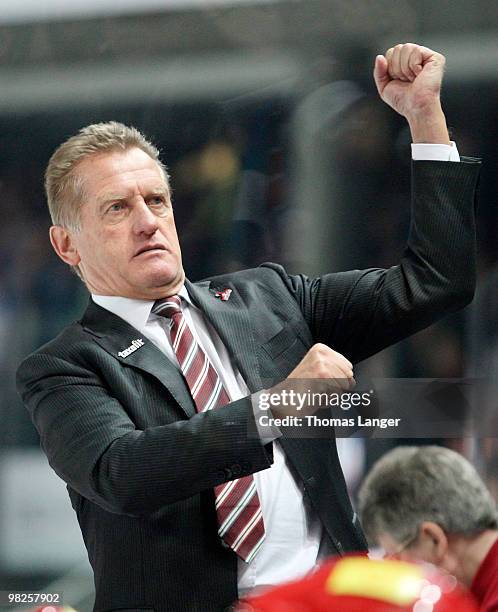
{"type": "Point", "coordinates": [471, 552]}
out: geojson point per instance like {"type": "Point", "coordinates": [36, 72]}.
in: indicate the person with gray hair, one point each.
{"type": "Point", "coordinates": [428, 503]}
{"type": "Point", "coordinates": [147, 406]}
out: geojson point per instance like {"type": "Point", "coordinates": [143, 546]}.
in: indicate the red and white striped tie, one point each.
{"type": "Point", "coordinates": [240, 521]}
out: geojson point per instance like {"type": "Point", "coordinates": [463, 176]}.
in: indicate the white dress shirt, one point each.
{"type": "Point", "coordinates": [293, 530]}
{"type": "Point", "coordinates": [280, 558]}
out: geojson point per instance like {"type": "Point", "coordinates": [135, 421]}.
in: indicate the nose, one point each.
{"type": "Point", "coordinates": [144, 220]}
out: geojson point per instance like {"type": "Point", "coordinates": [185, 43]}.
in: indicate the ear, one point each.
{"type": "Point", "coordinates": [64, 245]}
{"type": "Point", "coordinates": [434, 541]}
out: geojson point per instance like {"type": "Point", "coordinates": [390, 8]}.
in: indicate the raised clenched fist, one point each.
{"type": "Point", "coordinates": [409, 78]}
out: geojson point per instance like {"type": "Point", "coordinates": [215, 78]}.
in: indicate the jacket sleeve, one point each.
{"type": "Point", "coordinates": [94, 446]}
{"type": "Point", "coordinates": [360, 312]}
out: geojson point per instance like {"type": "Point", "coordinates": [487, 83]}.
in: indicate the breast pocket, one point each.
{"type": "Point", "coordinates": [280, 354]}
{"type": "Point", "coordinates": [281, 342]}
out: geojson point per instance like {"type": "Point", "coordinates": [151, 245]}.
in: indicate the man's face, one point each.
{"type": "Point", "coordinates": [430, 545]}
{"type": "Point", "coordinates": [415, 549]}
{"type": "Point", "coordinates": [397, 550]}
{"type": "Point", "coordinates": [127, 244]}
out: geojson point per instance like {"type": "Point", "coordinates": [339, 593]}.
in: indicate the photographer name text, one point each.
{"type": "Point", "coordinates": [312, 420]}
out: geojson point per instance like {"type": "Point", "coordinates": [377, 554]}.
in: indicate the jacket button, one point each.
{"type": "Point", "coordinates": [236, 469]}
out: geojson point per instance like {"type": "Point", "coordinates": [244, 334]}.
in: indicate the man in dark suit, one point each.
{"type": "Point", "coordinates": [147, 406]}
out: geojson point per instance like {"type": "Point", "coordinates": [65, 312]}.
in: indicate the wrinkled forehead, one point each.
{"type": "Point", "coordinates": [121, 170]}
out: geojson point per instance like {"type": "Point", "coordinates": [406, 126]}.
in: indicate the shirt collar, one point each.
{"type": "Point", "coordinates": [134, 312]}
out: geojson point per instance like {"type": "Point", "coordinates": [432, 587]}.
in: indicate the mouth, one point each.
{"type": "Point", "coordinates": [148, 248]}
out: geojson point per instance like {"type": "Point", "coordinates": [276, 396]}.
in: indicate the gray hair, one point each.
{"type": "Point", "coordinates": [413, 484]}
{"type": "Point", "coordinates": [63, 186]}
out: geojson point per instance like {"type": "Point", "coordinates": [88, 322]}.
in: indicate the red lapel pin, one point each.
{"type": "Point", "coordinates": [224, 294]}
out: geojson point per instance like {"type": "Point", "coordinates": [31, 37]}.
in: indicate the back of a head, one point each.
{"type": "Point", "coordinates": [410, 485]}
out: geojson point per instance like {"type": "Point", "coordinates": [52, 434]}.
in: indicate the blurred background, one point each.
{"type": "Point", "coordinates": [279, 149]}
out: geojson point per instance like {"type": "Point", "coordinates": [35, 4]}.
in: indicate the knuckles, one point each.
{"type": "Point", "coordinates": [319, 348]}
{"type": "Point", "coordinates": [324, 362]}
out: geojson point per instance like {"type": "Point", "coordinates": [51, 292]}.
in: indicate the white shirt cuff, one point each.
{"type": "Point", "coordinates": [422, 151]}
{"type": "Point", "coordinates": [267, 433]}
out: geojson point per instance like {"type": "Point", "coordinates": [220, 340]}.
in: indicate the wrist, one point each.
{"type": "Point", "coordinates": [428, 125]}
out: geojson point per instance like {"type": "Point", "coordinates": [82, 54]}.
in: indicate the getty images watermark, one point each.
{"type": "Point", "coordinates": [298, 404]}
{"type": "Point", "coordinates": [378, 408]}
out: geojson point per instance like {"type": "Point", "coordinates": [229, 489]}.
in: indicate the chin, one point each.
{"type": "Point", "coordinates": [163, 279]}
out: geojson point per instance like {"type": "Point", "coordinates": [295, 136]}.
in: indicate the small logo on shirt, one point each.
{"type": "Point", "coordinates": [134, 346]}
{"type": "Point", "coordinates": [224, 295]}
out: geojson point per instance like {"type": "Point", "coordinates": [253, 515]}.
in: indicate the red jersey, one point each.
{"type": "Point", "coordinates": [359, 584]}
{"type": "Point", "coordinates": [485, 583]}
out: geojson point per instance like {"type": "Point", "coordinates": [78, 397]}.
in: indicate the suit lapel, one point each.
{"type": "Point", "coordinates": [231, 320]}
{"type": "Point", "coordinates": [115, 336]}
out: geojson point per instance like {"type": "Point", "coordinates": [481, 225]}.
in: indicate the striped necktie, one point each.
{"type": "Point", "coordinates": [240, 521]}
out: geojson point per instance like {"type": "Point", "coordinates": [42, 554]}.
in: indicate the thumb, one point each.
{"type": "Point", "coordinates": [381, 75]}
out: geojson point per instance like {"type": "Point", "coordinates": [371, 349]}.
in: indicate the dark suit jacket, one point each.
{"type": "Point", "coordinates": [141, 465]}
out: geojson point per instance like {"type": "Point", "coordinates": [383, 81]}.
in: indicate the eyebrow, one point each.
{"type": "Point", "coordinates": [159, 191]}
{"type": "Point", "coordinates": [109, 198]}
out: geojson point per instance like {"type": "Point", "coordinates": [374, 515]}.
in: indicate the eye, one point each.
{"type": "Point", "coordinates": [158, 204]}
{"type": "Point", "coordinates": [115, 212]}
{"type": "Point", "coordinates": [116, 207]}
